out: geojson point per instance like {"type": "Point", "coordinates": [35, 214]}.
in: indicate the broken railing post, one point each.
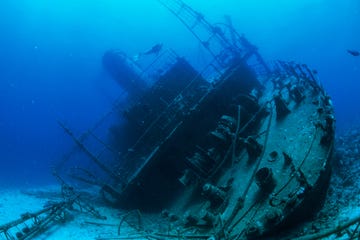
{"type": "Point", "coordinates": [87, 151]}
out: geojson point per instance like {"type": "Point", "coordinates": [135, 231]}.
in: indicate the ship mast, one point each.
{"type": "Point", "coordinates": [213, 37]}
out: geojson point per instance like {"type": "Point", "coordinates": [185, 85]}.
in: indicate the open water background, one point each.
{"type": "Point", "coordinates": [50, 62]}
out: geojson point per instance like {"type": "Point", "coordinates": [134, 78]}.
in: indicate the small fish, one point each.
{"type": "Point", "coordinates": [353, 52]}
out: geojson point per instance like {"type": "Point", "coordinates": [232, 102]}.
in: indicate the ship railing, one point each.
{"type": "Point", "coordinates": [221, 40]}
{"type": "Point", "coordinates": [211, 37]}
{"type": "Point", "coordinates": [178, 100]}
{"type": "Point", "coordinates": [217, 43]}
{"type": "Point", "coordinates": [291, 68]}
{"type": "Point", "coordinates": [212, 72]}
{"type": "Point", "coordinates": [151, 70]}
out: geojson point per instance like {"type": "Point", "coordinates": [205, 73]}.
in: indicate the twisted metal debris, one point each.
{"type": "Point", "coordinates": [31, 224]}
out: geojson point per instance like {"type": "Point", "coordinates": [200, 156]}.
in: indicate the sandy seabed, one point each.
{"type": "Point", "coordinates": [341, 205]}
{"type": "Point", "coordinates": [76, 225]}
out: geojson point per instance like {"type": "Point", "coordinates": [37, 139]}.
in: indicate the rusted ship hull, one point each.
{"type": "Point", "coordinates": [239, 149]}
{"type": "Point", "coordinates": [248, 156]}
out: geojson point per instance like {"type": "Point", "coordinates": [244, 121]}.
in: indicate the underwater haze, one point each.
{"type": "Point", "coordinates": [51, 51]}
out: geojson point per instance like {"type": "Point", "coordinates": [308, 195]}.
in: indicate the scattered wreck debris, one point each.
{"type": "Point", "coordinates": [32, 224]}
{"type": "Point", "coordinates": [238, 149]}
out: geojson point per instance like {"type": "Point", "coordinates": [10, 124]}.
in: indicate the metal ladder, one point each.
{"type": "Point", "coordinates": [221, 46]}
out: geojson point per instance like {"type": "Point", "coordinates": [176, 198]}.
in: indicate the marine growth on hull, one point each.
{"type": "Point", "coordinates": [240, 157]}
{"type": "Point", "coordinates": [235, 149]}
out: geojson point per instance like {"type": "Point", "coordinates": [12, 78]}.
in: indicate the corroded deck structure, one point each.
{"type": "Point", "coordinates": [236, 150]}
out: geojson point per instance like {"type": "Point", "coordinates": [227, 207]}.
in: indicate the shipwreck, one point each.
{"type": "Point", "coordinates": [238, 149]}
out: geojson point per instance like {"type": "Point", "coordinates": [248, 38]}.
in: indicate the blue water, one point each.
{"type": "Point", "coordinates": [50, 62]}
